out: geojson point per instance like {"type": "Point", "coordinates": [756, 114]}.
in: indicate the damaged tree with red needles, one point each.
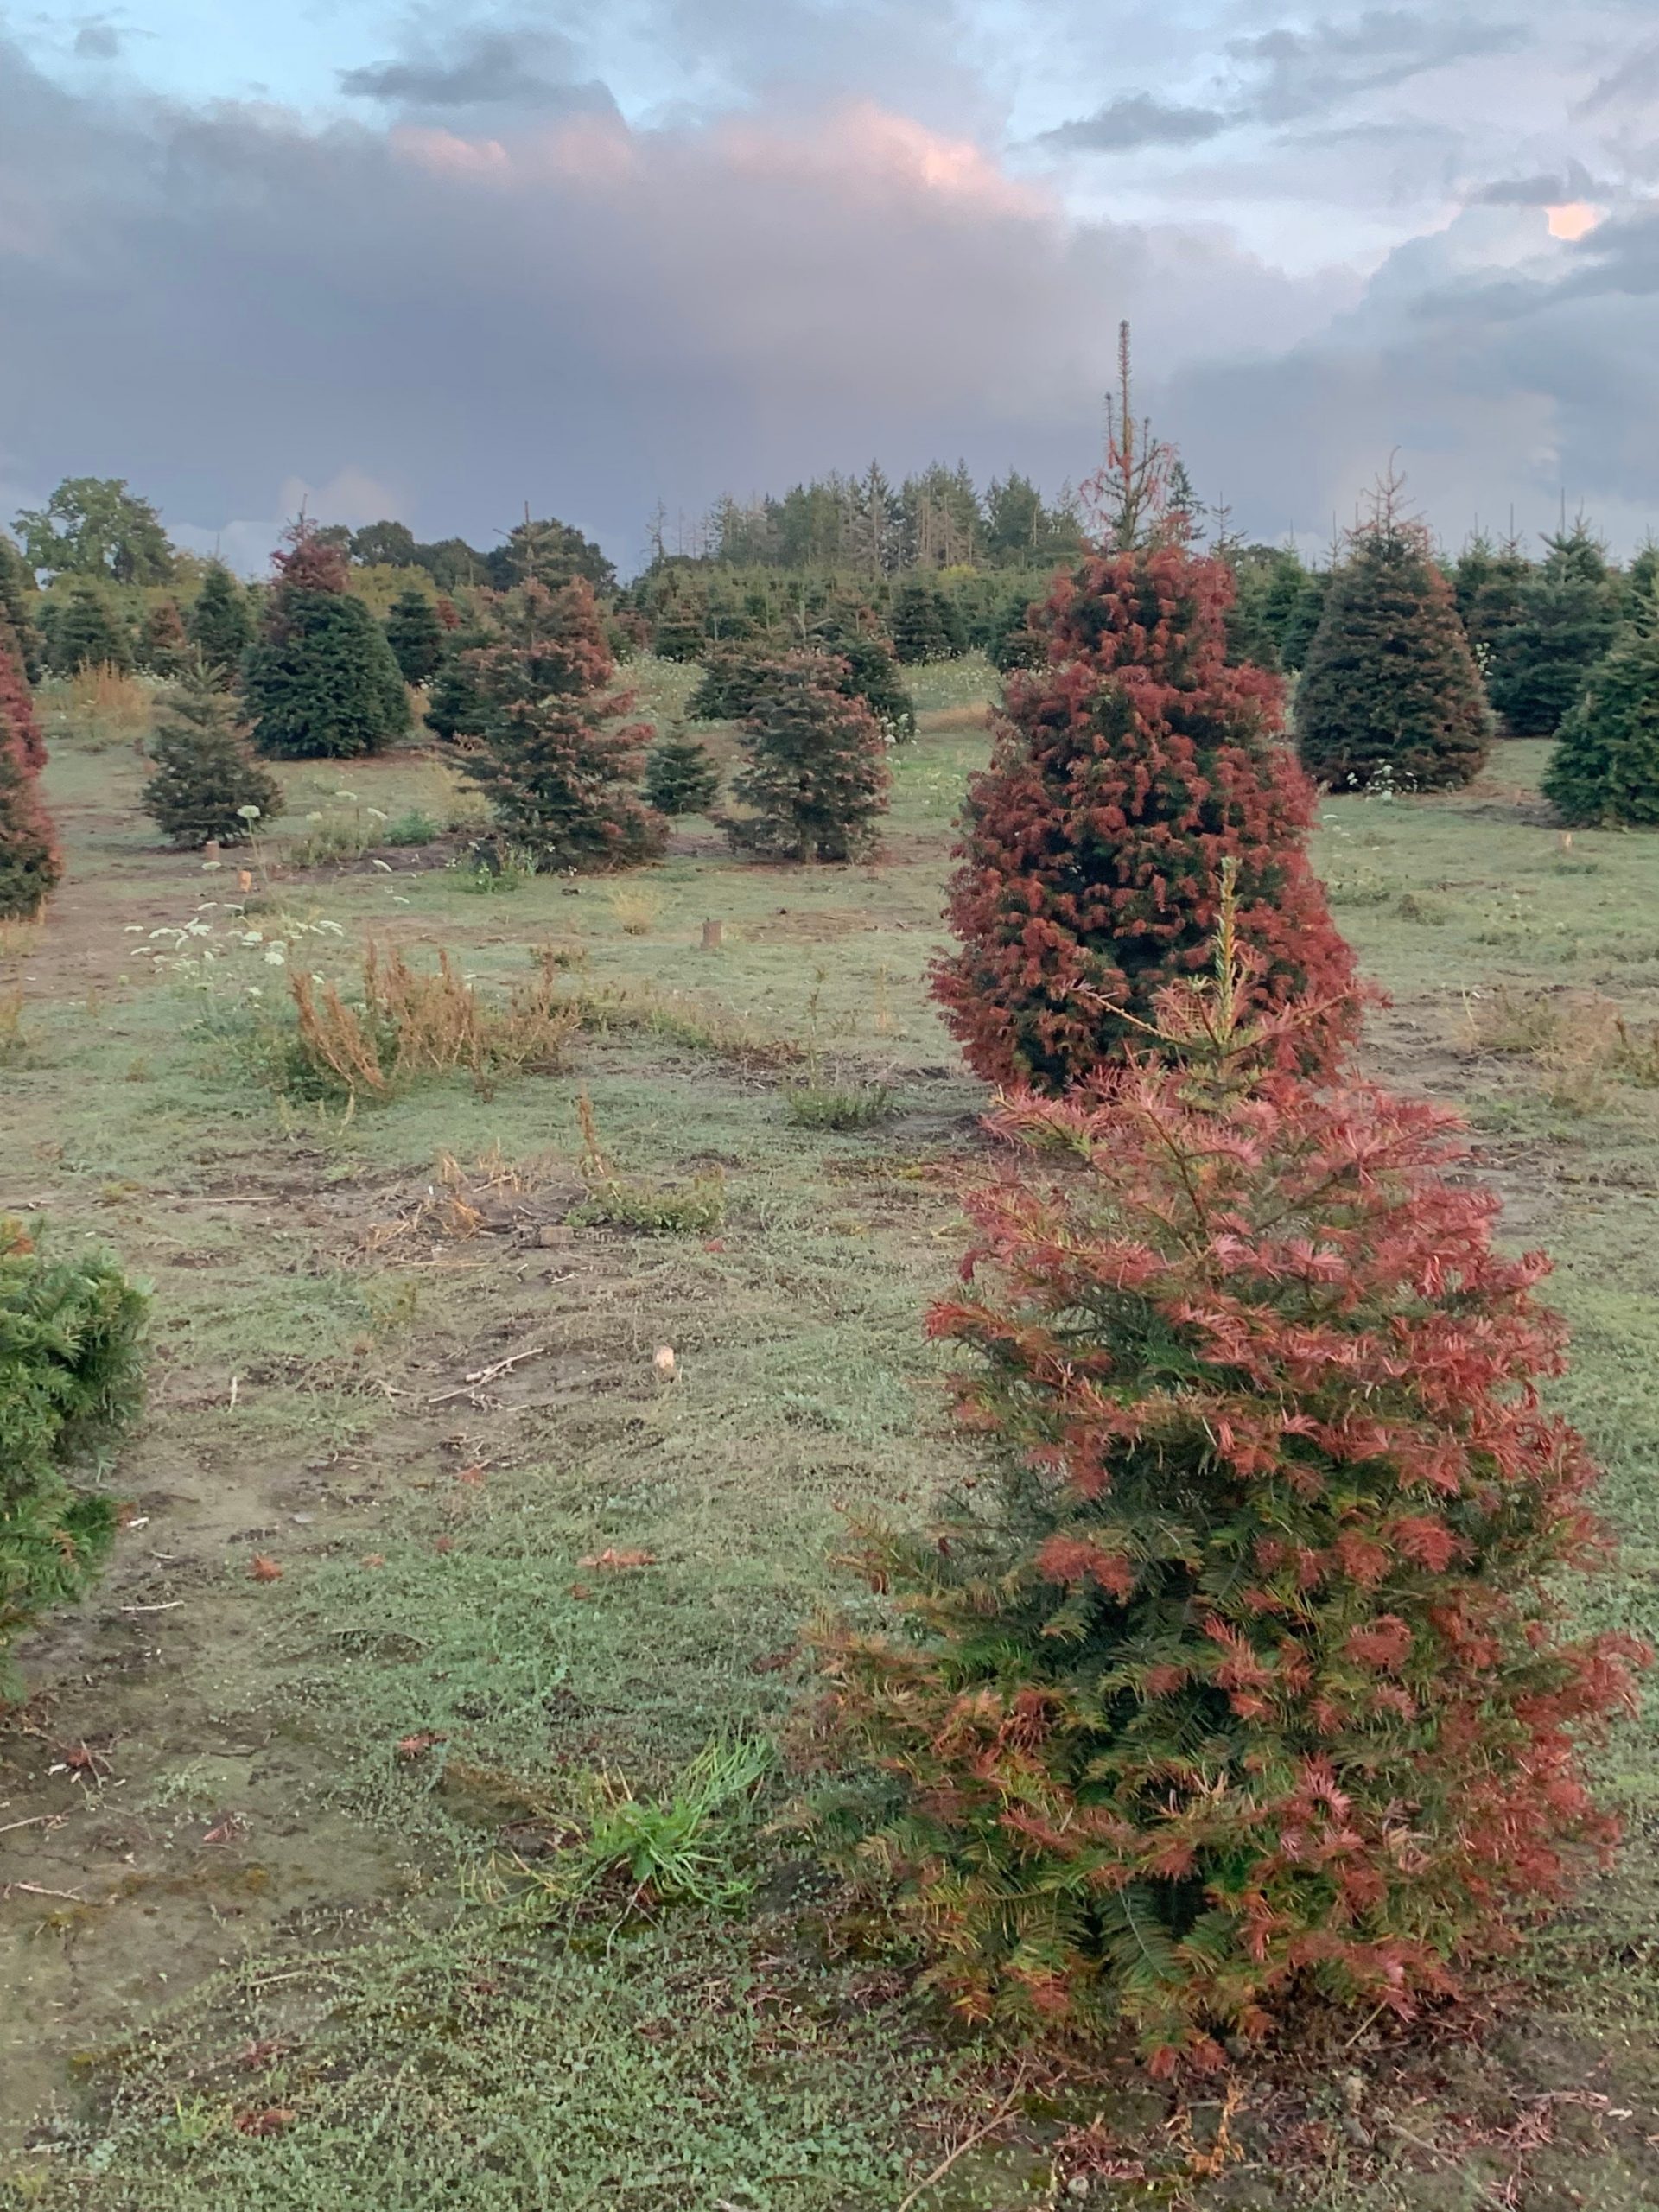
{"type": "Point", "coordinates": [1129, 769]}
{"type": "Point", "coordinates": [1241, 1676]}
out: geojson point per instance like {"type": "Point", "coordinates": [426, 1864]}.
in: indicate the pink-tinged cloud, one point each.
{"type": "Point", "coordinates": [1574, 219]}
{"type": "Point", "coordinates": [862, 148]}
{"type": "Point", "coordinates": [443, 154]}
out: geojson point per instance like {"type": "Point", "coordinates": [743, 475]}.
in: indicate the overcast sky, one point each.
{"type": "Point", "coordinates": [437, 260]}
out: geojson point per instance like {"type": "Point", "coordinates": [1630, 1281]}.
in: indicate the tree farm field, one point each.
{"type": "Point", "coordinates": [436, 1562]}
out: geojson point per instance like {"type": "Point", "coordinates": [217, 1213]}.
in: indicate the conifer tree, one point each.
{"type": "Point", "coordinates": [680, 631]}
{"type": "Point", "coordinates": [557, 772]}
{"type": "Point", "coordinates": [163, 648]}
{"type": "Point", "coordinates": [1302, 623]}
{"type": "Point", "coordinates": [204, 775]}
{"type": "Point", "coordinates": [320, 684]}
{"type": "Point", "coordinates": [220, 622]}
{"type": "Point", "coordinates": [71, 1381]}
{"type": "Point", "coordinates": [734, 676]}
{"type": "Point", "coordinates": [19, 724]}
{"type": "Point", "coordinates": [454, 708]}
{"type": "Point", "coordinates": [1606, 766]}
{"type": "Point", "coordinates": [1128, 771]}
{"type": "Point", "coordinates": [1286, 585]}
{"type": "Point", "coordinates": [1390, 693]}
{"type": "Point", "coordinates": [415, 635]}
{"type": "Point", "coordinates": [84, 631]}
{"type": "Point", "coordinates": [1565, 622]}
{"type": "Point", "coordinates": [16, 617]}
{"type": "Point", "coordinates": [925, 624]}
{"type": "Point", "coordinates": [681, 776]}
{"type": "Point", "coordinates": [816, 776]}
{"type": "Point", "coordinates": [29, 865]}
{"type": "Point", "coordinates": [1490, 582]}
{"type": "Point", "coordinates": [1015, 641]}
{"type": "Point", "coordinates": [1243, 1677]}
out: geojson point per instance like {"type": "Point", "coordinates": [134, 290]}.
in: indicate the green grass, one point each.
{"type": "Point", "coordinates": [407, 1729]}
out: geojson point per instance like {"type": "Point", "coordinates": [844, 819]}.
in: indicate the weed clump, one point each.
{"type": "Point", "coordinates": [71, 1383]}
{"type": "Point", "coordinates": [617, 1201]}
{"type": "Point", "coordinates": [409, 1023]}
{"type": "Point", "coordinates": [838, 1107]}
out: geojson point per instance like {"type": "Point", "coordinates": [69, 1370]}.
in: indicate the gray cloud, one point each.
{"type": "Point", "coordinates": [519, 68]}
{"type": "Point", "coordinates": [590, 316]}
{"type": "Point", "coordinates": [1633, 81]}
{"type": "Point", "coordinates": [1309, 72]}
{"type": "Point", "coordinates": [100, 39]}
{"type": "Point", "coordinates": [1136, 119]}
{"type": "Point", "coordinates": [1551, 189]}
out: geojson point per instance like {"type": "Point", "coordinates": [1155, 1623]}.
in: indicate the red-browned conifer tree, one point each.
{"type": "Point", "coordinates": [1244, 1675]}
{"type": "Point", "coordinates": [30, 868]}
{"type": "Point", "coordinates": [1130, 769]}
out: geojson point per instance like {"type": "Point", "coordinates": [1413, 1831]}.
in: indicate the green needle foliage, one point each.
{"type": "Point", "coordinates": [84, 631]}
{"type": "Point", "coordinates": [17, 594]}
{"type": "Point", "coordinates": [681, 776]}
{"type": "Point", "coordinates": [71, 1381]}
{"type": "Point", "coordinates": [1566, 620]}
{"type": "Point", "coordinates": [206, 778]}
{"type": "Point", "coordinates": [1390, 693]}
{"type": "Point", "coordinates": [321, 683]}
{"type": "Point", "coordinates": [416, 636]}
{"type": "Point", "coordinates": [1606, 765]}
{"type": "Point", "coordinates": [925, 624]}
{"type": "Point", "coordinates": [220, 623]}
{"type": "Point", "coordinates": [817, 778]}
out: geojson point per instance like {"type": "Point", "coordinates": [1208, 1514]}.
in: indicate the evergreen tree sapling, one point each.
{"type": "Point", "coordinates": [925, 624]}
{"type": "Point", "coordinates": [71, 1381]}
{"type": "Point", "coordinates": [1127, 773]}
{"type": "Point", "coordinates": [1243, 1677]}
{"type": "Point", "coordinates": [556, 771]}
{"type": "Point", "coordinates": [681, 776]}
{"type": "Point", "coordinates": [1390, 692]}
{"type": "Point", "coordinates": [816, 776]}
{"type": "Point", "coordinates": [204, 775]}
{"type": "Point", "coordinates": [84, 631]}
{"type": "Point", "coordinates": [163, 648]}
{"type": "Point", "coordinates": [1567, 620]}
{"type": "Point", "coordinates": [416, 634]}
{"type": "Point", "coordinates": [1491, 582]}
{"type": "Point", "coordinates": [320, 684]}
{"type": "Point", "coordinates": [1606, 766]}
{"type": "Point", "coordinates": [220, 622]}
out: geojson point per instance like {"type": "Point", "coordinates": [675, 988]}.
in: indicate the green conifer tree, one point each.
{"type": "Point", "coordinates": [1302, 623]}
{"type": "Point", "coordinates": [1606, 766]}
{"type": "Point", "coordinates": [204, 775]}
{"type": "Point", "coordinates": [555, 766]}
{"type": "Point", "coordinates": [85, 632]}
{"type": "Point", "coordinates": [925, 624]}
{"type": "Point", "coordinates": [1490, 582]}
{"type": "Point", "coordinates": [321, 682]}
{"type": "Point", "coordinates": [1390, 693]}
{"type": "Point", "coordinates": [416, 636]}
{"type": "Point", "coordinates": [816, 778]}
{"type": "Point", "coordinates": [220, 623]}
{"type": "Point", "coordinates": [681, 776]}
{"type": "Point", "coordinates": [71, 1381]}
{"type": "Point", "coordinates": [454, 705]}
{"type": "Point", "coordinates": [1565, 622]}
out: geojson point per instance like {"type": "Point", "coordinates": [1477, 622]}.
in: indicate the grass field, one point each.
{"type": "Point", "coordinates": [293, 1897]}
